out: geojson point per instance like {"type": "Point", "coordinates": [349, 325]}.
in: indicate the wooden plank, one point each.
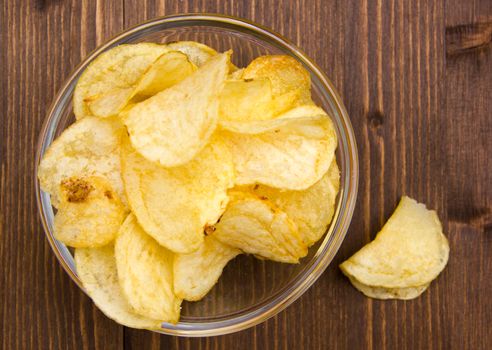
{"type": "Point", "coordinates": [469, 195]}
{"type": "Point", "coordinates": [42, 41]}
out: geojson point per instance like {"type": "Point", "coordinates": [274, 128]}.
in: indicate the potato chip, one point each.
{"type": "Point", "coordinates": [287, 153]}
{"type": "Point", "coordinates": [197, 53]}
{"type": "Point", "coordinates": [90, 213]}
{"type": "Point", "coordinates": [285, 73]}
{"type": "Point", "coordinates": [389, 293]}
{"type": "Point", "coordinates": [118, 68]}
{"type": "Point", "coordinates": [145, 272]}
{"type": "Point", "coordinates": [410, 250]}
{"type": "Point", "coordinates": [256, 226]}
{"type": "Point", "coordinates": [311, 209]}
{"type": "Point", "coordinates": [196, 273]}
{"type": "Point", "coordinates": [169, 69]}
{"type": "Point", "coordinates": [96, 268]}
{"type": "Point", "coordinates": [88, 147]}
{"type": "Point", "coordinates": [245, 100]}
{"type": "Point", "coordinates": [174, 125]}
{"type": "Point", "coordinates": [174, 204]}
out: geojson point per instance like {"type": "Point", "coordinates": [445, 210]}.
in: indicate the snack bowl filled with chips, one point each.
{"type": "Point", "coordinates": [197, 174]}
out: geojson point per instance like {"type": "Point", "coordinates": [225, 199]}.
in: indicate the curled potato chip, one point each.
{"type": "Point", "coordinates": [118, 68]}
{"type": "Point", "coordinates": [389, 293]}
{"type": "Point", "coordinates": [174, 204]}
{"type": "Point", "coordinates": [285, 73]}
{"type": "Point", "coordinates": [90, 213]}
{"type": "Point", "coordinates": [174, 125]}
{"type": "Point", "coordinates": [311, 209]}
{"type": "Point", "coordinates": [96, 268]}
{"type": "Point", "coordinates": [167, 70]}
{"type": "Point", "coordinates": [88, 147]}
{"type": "Point", "coordinates": [145, 272]}
{"type": "Point", "coordinates": [410, 250]}
{"type": "Point", "coordinates": [196, 273]}
{"type": "Point", "coordinates": [197, 53]}
{"type": "Point", "coordinates": [256, 226]}
{"type": "Point", "coordinates": [287, 153]}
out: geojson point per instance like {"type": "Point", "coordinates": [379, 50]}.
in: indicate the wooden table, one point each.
{"type": "Point", "coordinates": [416, 78]}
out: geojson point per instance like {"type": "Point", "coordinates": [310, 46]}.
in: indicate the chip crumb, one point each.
{"type": "Point", "coordinates": [77, 190]}
{"type": "Point", "coordinates": [256, 187]}
{"type": "Point", "coordinates": [108, 194]}
{"type": "Point", "coordinates": [209, 229]}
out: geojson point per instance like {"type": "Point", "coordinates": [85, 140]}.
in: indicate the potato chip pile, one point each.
{"type": "Point", "coordinates": [178, 162]}
{"type": "Point", "coordinates": [407, 254]}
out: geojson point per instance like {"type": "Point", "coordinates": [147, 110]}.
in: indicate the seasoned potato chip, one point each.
{"type": "Point", "coordinates": [311, 209]}
{"type": "Point", "coordinates": [285, 73]}
{"type": "Point", "coordinates": [118, 68]}
{"type": "Point", "coordinates": [169, 69]}
{"type": "Point", "coordinates": [174, 204]}
{"type": "Point", "coordinates": [88, 147]}
{"type": "Point", "coordinates": [96, 268]}
{"type": "Point", "coordinates": [256, 226]}
{"type": "Point", "coordinates": [245, 100]}
{"type": "Point", "coordinates": [174, 125]}
{"type": "Point", "coordinates": [389, 293]}
{"type": "Point", "coordinates": [410, 250]}
{"type": "Point", "coordinates": [90, 213]}
{"type": "Point", "coordinates": [145, 272]}
{"type": "Point", "coordinates": [197, 53]}
{"type": "Point", "coordinates": [196, 273]}
{"type": "Point", "coordinates": [287, 153]}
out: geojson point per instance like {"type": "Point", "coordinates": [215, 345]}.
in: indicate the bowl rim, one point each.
{"type": "Point", "coordinates": [347, 196]}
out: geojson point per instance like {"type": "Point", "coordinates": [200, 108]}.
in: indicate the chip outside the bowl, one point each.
{"type": "Point", "coordinates": [409, 251]}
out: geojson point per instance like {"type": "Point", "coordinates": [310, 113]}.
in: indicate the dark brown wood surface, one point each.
{"type": "Point", "coordinates": [416, 78]}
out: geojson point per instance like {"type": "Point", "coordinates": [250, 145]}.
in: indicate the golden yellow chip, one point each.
{"type": "Point", "coordinates": [96, 268]}
{"type": "Point", "coordinates": [285, 73]}
{"type": "Point", "coordinates": [145, 272]}
{"type": "Point", "coordinates": [311, 209]}
{"type": "Point", "coordinates": [409, 251]}
{"type": "Point", "coordinates": [197, 53]}
{"type": "Point", "coordinates": [173, 126]}
{"type": "Point", "coordinates": [406, 293]}
{"type": "Point", "coordinates": [118, 68]}
{"type": "Point", "coordinates": [174, 204]}
{"type": "Point", "coordinates": [287, 153]}
{"type": "Point", "coordinates": [88, 147]}
{"type": "Point", "coordinates": [90, 213]}
{"type": "Point", "coordinates": [256, 226]}
{"type": "Point", "coordinates": [196, 273]}
{"type": "Point", "coordinates": [169, 69]}
{"type": "Point", "coordinates": [245, 100]}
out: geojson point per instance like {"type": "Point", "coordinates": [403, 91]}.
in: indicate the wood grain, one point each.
{"type": "Point", "coordinates": [416, 78]}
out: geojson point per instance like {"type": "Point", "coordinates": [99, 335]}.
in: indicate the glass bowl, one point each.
{"type": "Point", "coordinates": [250, 290]}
